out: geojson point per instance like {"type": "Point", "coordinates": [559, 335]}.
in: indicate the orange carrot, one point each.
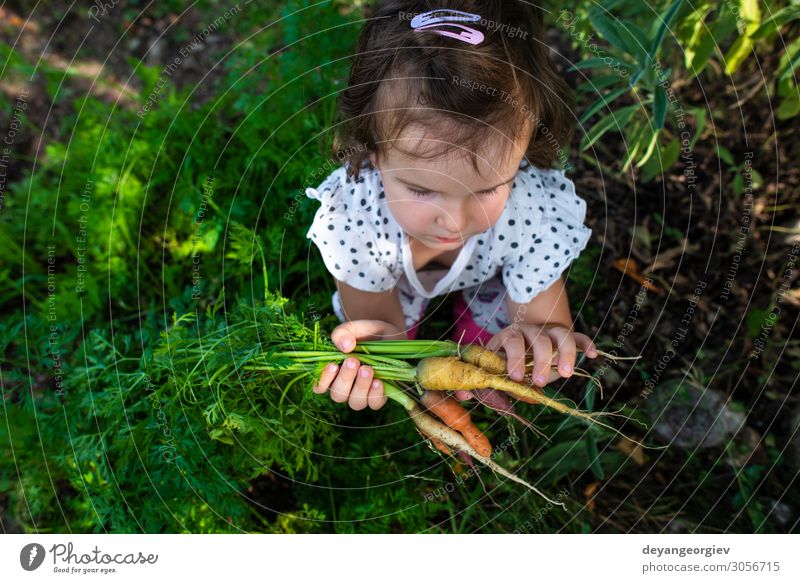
{"type": "Point", "coordinates": [432, 428]}
{"type": "Point", "coordinates": [440, 446]}
{"type": "Point", "coordinates": [449, 410]}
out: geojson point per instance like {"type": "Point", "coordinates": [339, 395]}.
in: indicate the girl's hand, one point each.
{"type": "Point", "coordinates": [354, 382]}
{"type": "Point", "coordinates": [521, 340]}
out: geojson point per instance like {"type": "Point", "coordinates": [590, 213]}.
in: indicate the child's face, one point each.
{"type": "Point", "coordinates": [444, 202]}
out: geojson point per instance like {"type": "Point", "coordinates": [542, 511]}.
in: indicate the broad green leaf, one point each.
{"type": "Point", "coordinates": [640, 39]}
{"type": "Point", "coordinates": [738, 184]}
{"type": "Point", "coordinates": [701, 43]}
{"type": "Point", "coordinates": [596, 62]}
{"type": "Point", "coordinates": [615, 120]}
{"type": "Point", "coordinates": [657, 165]}
{"type": "Point", "coordinates": [790, 60]}
{"type": "Point", "coordinates": [621, 34]}
{"type": "Point", "coordinates": [603, 101]}
{"type": "Point", "coordinates": [651, 148]}
{"type": "Point", "coordinates": [659, 106]}
{"type": "Point", "coordinates": [741, 49]}
{"type": "Point", "coordinates": [634, 138]}
{"type": "Point", "coordinates": [601, 82]}
{"type": "Point", "coordinates": [786, 87]}
{"type": "Point", "coordinates": [774, 22]}
{"type": "Point", "coordinates": [789, 107]}
{"type": "Point", "coordinates": [755, 321]}
{"type": "Point", "coordinates": [699, 125]}
{"type": "Point", "coordinates": [662, 29]}
{"type": "Point", "coordinates": [725, 155]}
{"type": "Point", "coordinates": [610, 4]}
{"type": "Point", "coordinates": [608, 29]}
{"type": "Point", "coordinates": [750, 16]}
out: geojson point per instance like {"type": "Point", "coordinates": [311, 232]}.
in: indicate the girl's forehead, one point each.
{"type": "Point", "coordinates": [493, 167]}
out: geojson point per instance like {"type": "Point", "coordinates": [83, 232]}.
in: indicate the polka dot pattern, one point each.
{"type": "Point", "coordinates": [358, 245]}
{"type": "Point", "coordinates": [540, 232]}
{"type": "Point", "coordinates": [550, 232]}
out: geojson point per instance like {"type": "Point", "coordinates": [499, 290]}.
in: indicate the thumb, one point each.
{"type": "Point", "coordinates": [346, 335]}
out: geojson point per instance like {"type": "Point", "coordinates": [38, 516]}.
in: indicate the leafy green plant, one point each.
{"type": "Point", "coordinates": [636, 62]}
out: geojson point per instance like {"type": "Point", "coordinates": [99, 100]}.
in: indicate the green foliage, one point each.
{"type": "Point", "coordinates": [148, 251]}
{"type": "Point", "coordinates": [636, 50]}
{"type": "Point", "coordinates": [140, 211]}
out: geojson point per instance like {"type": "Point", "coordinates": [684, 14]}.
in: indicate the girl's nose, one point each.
{"type": "Point", "coordinates": [453, 219]}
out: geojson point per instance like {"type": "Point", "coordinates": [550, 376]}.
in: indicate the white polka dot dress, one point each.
{"type": "Point", "coordinates": [540, 232]}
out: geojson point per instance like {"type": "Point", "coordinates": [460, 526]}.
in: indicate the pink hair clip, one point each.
{"type": "Point", "coordinates": [435, 19]}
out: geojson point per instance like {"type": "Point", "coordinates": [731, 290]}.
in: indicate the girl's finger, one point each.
{"type": "Point", "coordinates": [325, 380]}
{"type": "Point", "coordinates": [343, 383]}
{"type": "Point", "coordinates": [462, 395]}
{"type": "Point", "coordinates": [376, 397]}
{"type": "Point", "coordinates": [494, 343]}
{"type": "Point", "coordinates": [585, 344]}
{"type": "Point", "coordinates": [345, 336]}
{"type": "Point", "coordinates": [358, 396]}
{"type": "Point", "coordinates": [565, 344]}
{"type": "Point", "coordinates": [542, 355]}
{"type": "Point", "coordinates": [514, 345]}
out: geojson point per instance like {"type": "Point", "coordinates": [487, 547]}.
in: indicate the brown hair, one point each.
{"type": "Point", "coordinates": [507, 84]}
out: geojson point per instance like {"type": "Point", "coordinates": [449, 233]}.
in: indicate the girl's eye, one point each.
{"type": "Point", "coordinates": [422, 193]}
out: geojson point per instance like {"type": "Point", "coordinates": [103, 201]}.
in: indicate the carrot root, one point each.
{"type": "Point", "coordinates": [434, 429]}
{"type": "Point", "coordinates": [492, 362]}
{"type": "Point", "coordinates": [451, 374]}
{"type": "Point", "coordinates": [453, 414]}
{"type": "Point", "coordinates": [498, 402]}
{"type": "Point", "coordinates": [484, 358]}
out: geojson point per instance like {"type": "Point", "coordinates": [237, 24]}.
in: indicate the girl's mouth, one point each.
{"type": "Point", "coordinates": [444, 240]}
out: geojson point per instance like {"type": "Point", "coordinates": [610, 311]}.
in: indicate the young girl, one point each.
{"type": "Point", "coordinates": [453, 121]}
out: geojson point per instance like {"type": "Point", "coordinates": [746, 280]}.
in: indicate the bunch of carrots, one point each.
{"type": "Point", "coordinates": [418, 374]}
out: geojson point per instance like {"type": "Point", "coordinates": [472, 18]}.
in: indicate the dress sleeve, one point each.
{"type": "Point", "coordinates": [347, 230]}
{"type": "Point", "coordinates": [555, 237]}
